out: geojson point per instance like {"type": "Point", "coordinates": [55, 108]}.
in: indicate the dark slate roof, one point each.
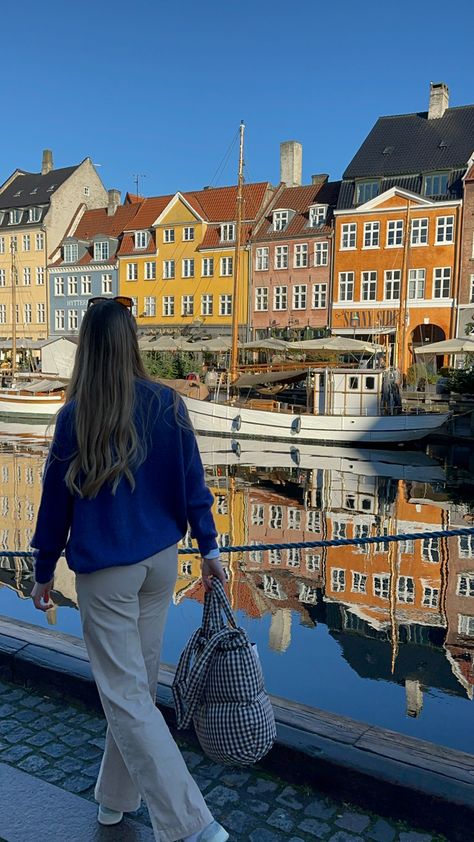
{"type": "Point", "coordinates": [5, 218]}
{"type": "Point", "coordinates": [410, 143]}
{"type": "Point", "coordinates": [411, 183]}
{"type": "Point", "coordinates": [34, 188]}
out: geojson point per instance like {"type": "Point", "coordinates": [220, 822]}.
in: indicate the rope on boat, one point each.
{"type": "Point", "coordinates": [306, 545]}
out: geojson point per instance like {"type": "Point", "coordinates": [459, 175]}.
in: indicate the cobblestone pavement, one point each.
{"type": "Point", "coordinates": [60, 741]}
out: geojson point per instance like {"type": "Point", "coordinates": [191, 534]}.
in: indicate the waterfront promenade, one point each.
{"type": "Point", "coordinates": [50, 749]}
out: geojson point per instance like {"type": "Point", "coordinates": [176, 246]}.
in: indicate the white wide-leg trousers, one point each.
{"type": "Point", "coordinates": [123, 611]}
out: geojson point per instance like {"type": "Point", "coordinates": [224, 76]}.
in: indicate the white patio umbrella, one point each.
{"type": "Point", "coordinates": [219, 344]}
{"type": "Point", "coordinates": [269, 344]}
{"type": "Point", "coordinates": [158, 343]}
{"type": "Point", "coordinates": [448, 346]}
{"type": "Point", "coordinates": [341, 344]}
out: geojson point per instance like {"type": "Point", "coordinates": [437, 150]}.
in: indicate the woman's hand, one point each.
{"type": "Point", "coordinates": [211, 568]}
{"type": "Point", "coordinates": [41, 595]}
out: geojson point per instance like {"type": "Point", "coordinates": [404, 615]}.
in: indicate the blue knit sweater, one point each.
{"type": "Point", "coordinates": [128, 526]}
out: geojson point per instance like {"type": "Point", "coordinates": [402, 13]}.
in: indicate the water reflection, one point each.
{"type": "Point", "coordinates": [381, 632]}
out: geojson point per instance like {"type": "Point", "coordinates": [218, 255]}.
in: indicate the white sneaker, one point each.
{"type": "Point", "coordinates": [214, 832]}
{"type": "Point", "coordinates": [106, 816]}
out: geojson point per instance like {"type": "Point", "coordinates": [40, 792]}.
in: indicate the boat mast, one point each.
{"type": "Point", "coordinates": [14, 283]}
{"type": "Point", "coordinates": [238, 237]}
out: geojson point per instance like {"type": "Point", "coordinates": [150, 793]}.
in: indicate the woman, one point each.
{"type": "Point", "coordinates": [122, 481]}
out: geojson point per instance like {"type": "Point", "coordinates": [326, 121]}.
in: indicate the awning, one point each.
{"type": "Point", "coordinates": [448, 346]}
{"type": "Point", "coordinates": [340, 344]}
{"type": "Point", "coordinates": [264, 377]}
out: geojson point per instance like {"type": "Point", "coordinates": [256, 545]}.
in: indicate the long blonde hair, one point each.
{"type": "Point", "coordinates": [102, 386]}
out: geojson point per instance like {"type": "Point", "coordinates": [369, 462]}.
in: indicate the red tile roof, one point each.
{"type": "Point", "coordinates": [212, 238]}
{"type": "Point", "coordinates": [127, 246]}
{"type": "Point", "coordinates": [99, 222]}
{"type": "Point", "coordinates": [299, 199]}
{"type": "Point", "coordinates": [219, 204]}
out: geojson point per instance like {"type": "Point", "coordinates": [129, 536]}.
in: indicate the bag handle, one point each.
{"type": "Point", "coordinates": [216, 601]}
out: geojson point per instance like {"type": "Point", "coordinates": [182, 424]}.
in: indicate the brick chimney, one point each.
{"type": "Point", "coordinates": [439, 100]}
{"type": "Point", "coordinates": [319, 178]}
{"type": "Point", "coordinates": [113, 202]}
{"type": "Point", "coordinates": [291, 163]}
{"type": "Point", "coordinates": [47, 162]}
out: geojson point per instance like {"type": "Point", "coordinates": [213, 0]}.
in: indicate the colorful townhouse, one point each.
{"type": "Point", "coordinates": [35, 211]}
{"type": "Point", "coordinates": [398, 229]}
{"type": "Point", "coordinates": [85, 263]}
{"type": "Point", "coordinates": [291, 254]}
{"type": "Point", "coordinates": [465, 321]}
{"type": "Point", "coordinates": [176, 259]}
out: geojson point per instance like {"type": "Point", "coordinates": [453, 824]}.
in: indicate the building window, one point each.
{"type": "Point", "coordinates": [2, 245]}
{"type": "Point", "coordinates": [141, 239]}
{"type": "Point", "coordinates": [321, 253]}
{"type": "Point", "coordinates": [359, 582]}
{"type": "Point", "coordinates": [3, 278]}
{"type": "Point", "coordinates": [281, 257]}
{"type": "Point", "coordinates": [465, 625]}
{"type": "Point", "coordinates": [13, 247]}
{"type": "Point", "coordinates": [430, 550]}
{"type": "Point", "coordinates": [39, 241]}
{"type": "Point", "coordinates": [150, 270]}
{"type": "Point", "coordinates": [444, 229]}
{"type": "Point", "coordinates": [87, 191]}
{"type": "Point", "coordinates": [106, 284]}
{"type": "Point", "coordinates": [188, 234]}
{"type": "Point", "coordinates": [41, 313]}
{"type": "Point", "coordinates": [168, 269]}
{"type": "Point", "coordinates": [381, 584]}
{"type": "Point", "coordinates": [227, 266]}
{"type": "Point", "coordinates": [365, 191]}
{"type": "Point", "coordinates": [187, 305]}
{"type": "Point", "coordinates": [27, 276]}
{"type": "Point", "coordinates": [371, 235]}
{"type": "Point", "coordinates": [349, 235]}
{"type": "Point", "coordinates": [70, 253]}
{"type": "Point", "coordinates": [338, 579]}
{"type": "Point", "coordinates": [72, 285]}
{"type": "Point", "coordinates": [466, 546]}
{"type": "Point", "coordinates": [225, 305]}
{"type": "Point", "coordinates": [299, 296]}
{"type": "Point", "coordinates": [465, 586]}
{"type": "Point", "coordinates": [188, 267]}
{"type": "Point", "coordinates": [59, 285]}
{"type": "Point", "coordinates": [442, 282]}
{"type": "Point", "coordinates": [26, 242]}
{"type": "Point", "coordinates": [228, 232]}
{"type": "Point", "coordinates": [86, 284]}
{"type": "Point", "coordinates": [339, 528]}
{"type": "Point", "coordinates": [132, 271]}
{"type": "Point", "coordinates": [300, 256]}
{"type": "Point", "coordinates": [392, 284]}
{"type": "Point", "coordinates": [471, 299]}
{"type": "Point", "coordinates": [15, 217]}
{"type": "Point", "coordinates": [168, 235]}
{"type": "Point", "coordinates": [72, 319]}
{"type": "Point", "coordinates": [280, 220]}
{"type": "Point", "coordinates": [276, 517]}
{"type": "Point", "coordinates": [168, 305]}
{"type": "Point", "coordinates": [419, 232]}
{"type": "Point", "coordinates": [150, 305]}
{"type": "Point", "coordinates": [206, 305]}
{"type": "Point", "coordinates": [27, 314]}
{"type": "Point", "coordinates": [257, 513]}
{"type": "Point", "coordinates": [40, 275]}
{"type": "Point", "coordinates": [317, 215]}
{"type": "Point", "coordinates": [369, 286]}
{"type": "Point", "coordinates": [207, 267]}
{"type": "Point", "coordinates": [3, 314]}
{"type": "Point", "coordinates": [346, 286]}
{"type": "Point", "coordinates": [261, 299]}
{"type": "Point", "coordinates": [294, 517]}
{"type": "Point", "coordinates": [319, 296]}
{"type": "Point", "coordinates": [435, 184]}
{"type": "Point", "coordinates": [294, 557]}
{"type": "Point", "coordinates": [405, 589]}
{"type": "Point", "coordinates": [34, 214]}
{"type": "Point", "coordinates": [430, 597]}
{"type": "Point", "coordinates": [280, 298]}
{"type": "Point", "coordinates": [261, 262]}
{"type": "Point", "coordinates": [59, 319]}
{"type": "Point", "coordinates": [394, 233]}
{"type": "Point", "coordinates": [101, 250]}
{"type": "Point", "coordinates": [416, 284]}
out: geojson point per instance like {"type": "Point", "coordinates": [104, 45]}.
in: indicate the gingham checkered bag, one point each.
{"type": "Point", "coordinates": [219, 686]}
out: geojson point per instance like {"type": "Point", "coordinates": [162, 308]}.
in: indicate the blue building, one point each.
{"type": "Point", "coordinates": [85, 263]}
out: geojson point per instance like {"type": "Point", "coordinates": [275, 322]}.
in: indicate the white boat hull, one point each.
{"type": "Point", "coordinates": [224, 420]}
{"type": "Point", "coordinates": [16, 405]}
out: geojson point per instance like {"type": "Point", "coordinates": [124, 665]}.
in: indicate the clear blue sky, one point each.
{"type": "Point", "coordinates": [159, 88]}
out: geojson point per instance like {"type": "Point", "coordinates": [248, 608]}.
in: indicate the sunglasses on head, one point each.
{"type": "Point", "coordinates": [124, 300]}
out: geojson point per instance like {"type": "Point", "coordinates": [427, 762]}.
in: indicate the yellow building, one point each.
{"type": "Point", "coordinates": [177, 261]}
{"type": "Point", "coordinates": [35, 211]}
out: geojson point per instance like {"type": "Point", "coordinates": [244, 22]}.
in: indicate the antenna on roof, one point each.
{"type": "Point", "coordinates": [136, 179]}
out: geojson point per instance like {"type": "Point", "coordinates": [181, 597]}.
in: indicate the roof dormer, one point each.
{"type": "Point", "coordinates": [141, 239]}
{"type": "Point", "coordinates": [281, 218]}
{"type": "Point", "coordinates": [317, 215]}
{"type": "Point", "coordinates": [228, 232]}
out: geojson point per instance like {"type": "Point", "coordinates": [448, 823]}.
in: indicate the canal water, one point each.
{"type": "Point", "coordinates": [383, 633]}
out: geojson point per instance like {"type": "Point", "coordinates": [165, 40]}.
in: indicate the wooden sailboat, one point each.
{"type": "Point", "coordinates": [343, 405]}
{"type": "Point", "coordinates": [28, 399]}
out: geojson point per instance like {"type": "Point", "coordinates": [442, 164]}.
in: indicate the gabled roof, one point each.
{"type": "Point", "coordinates": [219, 203]}
{"type": "Point", "coordinates": [33, 188]}
{"type": "Point", "coordinates": [98, 221]}
{"type": "Point", "coordinates": [299, 200]}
